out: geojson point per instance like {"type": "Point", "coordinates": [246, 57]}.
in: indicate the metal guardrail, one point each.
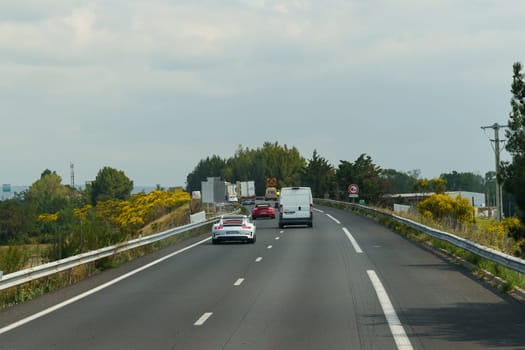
{"type": "Point", "coordinates": [27, 275]}
{"type": "Point", "coordinates": [508, 261]}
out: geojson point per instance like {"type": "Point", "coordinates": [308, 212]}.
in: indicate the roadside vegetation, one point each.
{"type": "Point", "coordinates": [51, 220]}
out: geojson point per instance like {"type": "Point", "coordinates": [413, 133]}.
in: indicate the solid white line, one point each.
{"type": "Point", "coordinates": [398, 332]}
{"type": "Point", "coordinates": [259, 259]}
{"type": "Point", "coordinates": [319, 210]}
{"type": "Point", "coordinates": [353, 241]}
{"type": "Point", "coordinates": [203, 319]}
{"type": "Point", "coordinates": [238, 282]}
{"type": "Point", "coordinates": [94, 290]}
{"type": "Point", "coordinates": [269, 247]}
{"type": "Point", "coordinates": [331, 217]}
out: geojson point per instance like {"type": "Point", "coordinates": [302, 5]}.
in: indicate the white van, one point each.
{"type": "Point", "coordinates": [296, 206]}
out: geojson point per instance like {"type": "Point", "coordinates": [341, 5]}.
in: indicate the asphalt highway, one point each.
{"type": "Point", "coordinates": [346, 283]}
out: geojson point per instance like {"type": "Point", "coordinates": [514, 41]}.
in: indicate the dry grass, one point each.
{"type": "Point", "coordinates": [178, 217]}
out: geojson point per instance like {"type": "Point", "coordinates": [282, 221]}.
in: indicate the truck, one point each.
{"type": "Point", "coordinates": [271, 189]}
{"type": "Point", "coordinates": [247, 192]}
{"type": "Point", "coordinates": [270, 194]}
{"type": "Point", "coordinates": [231, 193]}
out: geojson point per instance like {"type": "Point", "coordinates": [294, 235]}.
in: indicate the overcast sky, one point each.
{"type": "Point", "coordinates": [151, 87]}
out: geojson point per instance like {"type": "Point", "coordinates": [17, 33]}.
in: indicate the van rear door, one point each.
{"type": "Point", "coordinates": [296, 205]}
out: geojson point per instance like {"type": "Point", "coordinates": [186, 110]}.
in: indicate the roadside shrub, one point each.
{"type": "Point", "coordinates": [453, 212]}
{"type": "Point", "coordinates": [13, 259]}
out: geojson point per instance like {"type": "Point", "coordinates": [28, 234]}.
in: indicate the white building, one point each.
{"type": "Point", "coordinates": [476, 199]}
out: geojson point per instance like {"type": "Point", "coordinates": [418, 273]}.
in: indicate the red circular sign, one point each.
{"type": "Point", "coordinates": [353, 189]}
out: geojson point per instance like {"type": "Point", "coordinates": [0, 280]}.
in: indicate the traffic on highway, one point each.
{"type": "Point", "coordinates": [345, 283]}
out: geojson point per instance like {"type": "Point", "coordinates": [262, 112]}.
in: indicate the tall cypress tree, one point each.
{"type": "Point", "coordinates": [514, 172]}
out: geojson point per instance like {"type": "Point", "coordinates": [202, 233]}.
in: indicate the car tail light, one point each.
{"type": "Point", "coordinates": [219, 227]}
{"type": "Point", "coordinates": [311, 208]}
{"type": "Point", "coordinates": [246, 227]}
{"type": "Point", "coordinates": [280, 208]}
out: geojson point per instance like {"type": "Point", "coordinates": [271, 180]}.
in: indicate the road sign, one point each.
{"type": "Point", "coordinates": [353, 189]}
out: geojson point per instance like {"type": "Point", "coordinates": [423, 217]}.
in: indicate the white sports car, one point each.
{"type": "Point", "coordinates": [233, 228]}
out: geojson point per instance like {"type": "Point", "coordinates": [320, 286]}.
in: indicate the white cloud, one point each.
{"type": "Point", "coordinates": [87, 67]}
{"type": "Point", "coordinates": [82, 21]}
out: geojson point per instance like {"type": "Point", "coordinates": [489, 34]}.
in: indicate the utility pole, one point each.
{"type": "Point", "coordinates": [499, 194]}
{"type": "Point", "coordinates": [72, 173]}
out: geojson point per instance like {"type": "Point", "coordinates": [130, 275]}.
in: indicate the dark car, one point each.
{"type": "Point", "coordinates": [263, 210]}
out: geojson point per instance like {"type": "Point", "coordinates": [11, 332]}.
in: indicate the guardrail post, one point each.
{"type": "Point", "coordinates": [1, 274]}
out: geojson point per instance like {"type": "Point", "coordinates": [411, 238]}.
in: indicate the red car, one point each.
{"type": "Point", "coordinates": [263, 210]}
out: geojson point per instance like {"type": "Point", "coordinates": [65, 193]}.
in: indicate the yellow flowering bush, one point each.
{"type": "Point", "coordinates": [141, 209]}
{"type": "Point", "coordinates": [48, 217]}
{"type": "Point", "coordinates": [447, 210]}
{"type": "Point", "coordinates": [498, 232]}
{"type": "Point", "coordinates": [81, 213]}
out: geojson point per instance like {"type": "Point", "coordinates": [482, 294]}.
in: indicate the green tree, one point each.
{"type": "Point", "coordinates": [395, 182]}
{"type": "Point", "coordinates": [283, 163]}
{"type": "Point", "coordinates": [439, 185]}
{"type": "Point", "coordinates": [48, 194]}
{"type": "Point", "coordinates": [287, 164]}
{"type": "Point", "coordinates": [110, 184]}
{"type": "Point", "coordinates": [240, 167]}
{"type": "Point", "coordinates": [270, 160]}
{"type": "Point", "coordinates": [211, 166]}
{"type": "Point", "coordinates": [422, 185]}
{"type": "Point", "coordinates": [365, 174]}
{"type": "Point", "coordinates": [319, 175]}
{"type": "Point", "coordinates": [13, 222]}
{"type": "Point", "coordinates": [513, 173]}
{"type": "Point", "coordinates": [464, 182]}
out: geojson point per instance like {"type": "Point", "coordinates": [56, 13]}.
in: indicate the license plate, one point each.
{"type": "Point", "coordinates": [231, 232]}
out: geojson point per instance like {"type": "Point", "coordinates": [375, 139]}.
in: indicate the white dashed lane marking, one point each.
{"type": "Point", "coordinates": [331, 217]}
{"type": "Point", "coordinates": [203, 319]}
{"type": "Point", "coordinates": [357, 248]}
{"type": "Point", "coordinates": [94, 290]}
{"type": "Point", "coordinates": [398, 332]}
